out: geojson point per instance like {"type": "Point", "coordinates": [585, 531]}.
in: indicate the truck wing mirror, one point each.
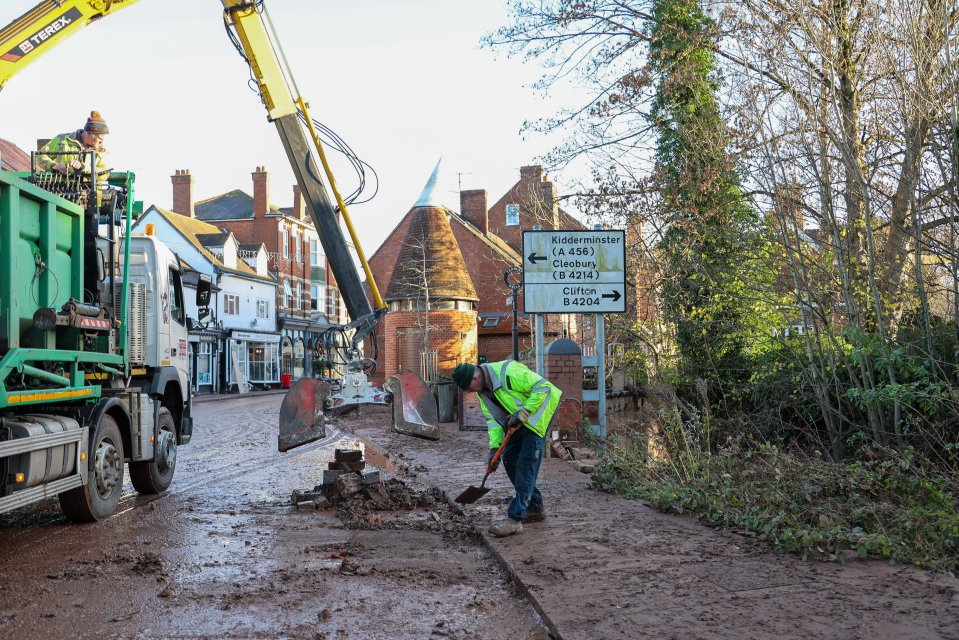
{"type": "Point", "coordinates": [204, 286]}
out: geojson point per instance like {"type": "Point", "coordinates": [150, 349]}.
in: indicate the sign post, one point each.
{"type": "Point", "coordinates": [577, 272]}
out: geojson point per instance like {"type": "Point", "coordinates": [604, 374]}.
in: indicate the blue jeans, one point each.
{"type": "Point", "coordinates": [521, 458]}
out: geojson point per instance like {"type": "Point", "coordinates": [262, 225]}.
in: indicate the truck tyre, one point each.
{"type": "Point", "coordinates": [155, 476]}
{"type": "Point", "coordinates": [98, 499]}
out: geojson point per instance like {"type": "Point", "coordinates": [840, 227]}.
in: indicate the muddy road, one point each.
{"type": "Point", "coordinates": [224, 554]}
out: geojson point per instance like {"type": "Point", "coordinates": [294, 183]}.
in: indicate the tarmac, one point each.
{"type": "Point", "coordinates": [604, 567]}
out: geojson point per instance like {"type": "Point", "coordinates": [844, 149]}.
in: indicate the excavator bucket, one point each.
{"type": "Point", "coordinates": [414, 407]}
{"type": "Point", "coordinates": [301, 414]}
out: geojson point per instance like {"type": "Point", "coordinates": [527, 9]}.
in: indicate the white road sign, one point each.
{"type": "Point", "coordinates": [574, 271]}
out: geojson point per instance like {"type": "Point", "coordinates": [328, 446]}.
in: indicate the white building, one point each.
{"type": "Point", "coordinates": [239, 346]}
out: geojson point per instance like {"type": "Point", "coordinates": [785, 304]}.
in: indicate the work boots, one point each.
{"type": "Point", "coordinates": [534, 516]}
{"type": "Point", "coordinates": [505, 527]}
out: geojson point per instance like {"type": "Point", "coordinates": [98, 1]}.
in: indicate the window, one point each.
{"type": "Point", "coordinates": [262, 361]}
{"type": "Point", "coordinates": [285, 241]}
{"type": "Point", "coordinates": [491, 322]}
{"type": "Point", "coordinates": [204, 366]}
{"type": "Point", "coordinates": [262, 308]}
{"type": "Point", "coordinates": [287, 294]}
{"type": "Point", "coordinates": [299, 248]}
{"type": "Point", "coordinates": [318, 298]}
{"type": "Point", "coordinates": [512, 214]}
{"type": "Point", "coordinates": [299, 296]}
{"type": "Point", "coordinates": [231, 304]}
{"type": "Point", "coordinates": [317, 258]}
{"type": "Point", "coordinates": [176, 297]}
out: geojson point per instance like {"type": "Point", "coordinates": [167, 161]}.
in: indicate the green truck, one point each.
{"type": "Point", "coordinates": [94, 373]}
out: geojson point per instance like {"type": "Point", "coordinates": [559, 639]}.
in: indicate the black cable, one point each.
{"type": "Point", "coordinates": [332, 140]}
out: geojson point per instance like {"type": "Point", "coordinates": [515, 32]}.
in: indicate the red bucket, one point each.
{"type": "Point", "coordinates": [286, 380]}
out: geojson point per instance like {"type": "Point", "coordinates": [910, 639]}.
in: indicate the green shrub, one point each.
{"type": "Point", "coordinates": [889, 504]}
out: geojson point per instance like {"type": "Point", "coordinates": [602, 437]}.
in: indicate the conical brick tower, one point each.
{"type": "Point", "coordinates": [431, 326]}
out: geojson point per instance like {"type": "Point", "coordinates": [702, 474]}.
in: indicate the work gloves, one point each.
{"type": "Point", "coordinates": [518, 419]}
{"type": "Point", "coordinates": [490, 465]}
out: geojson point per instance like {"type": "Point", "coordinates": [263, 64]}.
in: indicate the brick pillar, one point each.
{"type": "Point", "coordinates": [183, 192]}
{"type": "Point", "coordinates": [473, 209]}
{"type": "Point", "coordinates": [564, 368]}
{"type": "Point", "coordinates": [261, 192]}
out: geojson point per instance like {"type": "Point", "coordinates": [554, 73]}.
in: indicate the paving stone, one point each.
{"type": "Point", "coordinates": [348, 455]}
{"type": "Point", "coordinates": [584, 466]}
{"type": "Point", "coordinates": [330, 475]}
{"type": "Point", "coordinates": [559, 449]}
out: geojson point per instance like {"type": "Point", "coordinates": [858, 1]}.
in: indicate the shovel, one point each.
{"type": "Point", "coordinates": [473, 494]}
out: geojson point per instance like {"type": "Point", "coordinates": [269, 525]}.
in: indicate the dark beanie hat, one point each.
{"type": "Point", "coordinates": [96, 124]}
{"type": "Point", "coordinates": [463, 375]}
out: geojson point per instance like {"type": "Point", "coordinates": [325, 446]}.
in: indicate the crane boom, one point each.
{"type": "Point", "coordinates": [284, 110]}
{"type": "Point", "coordinates": [46, 25]}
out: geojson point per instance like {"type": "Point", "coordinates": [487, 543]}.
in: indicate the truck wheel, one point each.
{"type": "Point", "coordinates": [156, 476]}
{"type": "Point", "coordinates": [98, 499]}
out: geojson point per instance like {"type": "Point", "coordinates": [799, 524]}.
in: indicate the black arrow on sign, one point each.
{"type": "Point", "coordinates": [535, 258]}
{"type": "Point", "coordinates": [615, 295]}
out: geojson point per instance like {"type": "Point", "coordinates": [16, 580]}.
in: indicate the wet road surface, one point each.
{"type": "Point", "coordinates": [224, 554]}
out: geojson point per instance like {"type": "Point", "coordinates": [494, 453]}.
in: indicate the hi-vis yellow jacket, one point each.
{"type": "Point", "coordinates": [70, 146]}
{"type": "Point", "coordinates": [515, 387]}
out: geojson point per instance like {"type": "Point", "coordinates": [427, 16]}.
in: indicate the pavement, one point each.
{"type": "Point", "coordinates": [602, 566]}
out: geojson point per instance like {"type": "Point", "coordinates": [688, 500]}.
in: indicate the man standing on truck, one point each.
{"type": "Point", "coordinates": [514, 398]}
{"type": "Point", "coordinates": [67, 149]}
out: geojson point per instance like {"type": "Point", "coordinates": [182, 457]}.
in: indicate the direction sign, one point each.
{"type": "Point", "coordinates": [574, 271]}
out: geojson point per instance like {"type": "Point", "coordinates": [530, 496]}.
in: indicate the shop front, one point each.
{"type": "Point", "coordinates": [204, 363]}
{"type": "Point", "coordinates": [253, 360]}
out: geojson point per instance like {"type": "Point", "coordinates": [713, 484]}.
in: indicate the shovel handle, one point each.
{"type": "Point", "coordinates": [499, 452]}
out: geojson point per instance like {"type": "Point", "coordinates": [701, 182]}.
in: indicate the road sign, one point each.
{"type": "Point", "coordinates": [574, 271]}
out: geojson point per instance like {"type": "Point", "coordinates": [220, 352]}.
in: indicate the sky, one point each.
{"type": "Point", "coordinates": [404, 83]}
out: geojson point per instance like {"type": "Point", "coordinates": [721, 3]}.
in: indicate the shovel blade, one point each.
{"type": "Point", "coordinates": [471, 495]}
{"type": "Point", "coordinates": [301, 414]}
{"type": "Point", "coordinates": [414, 407]}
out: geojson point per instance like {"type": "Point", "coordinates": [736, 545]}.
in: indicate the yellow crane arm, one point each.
{"type": "Point", "coordinates": [284, 107]}
{"type": "Point", "coordinates": [44, 26]}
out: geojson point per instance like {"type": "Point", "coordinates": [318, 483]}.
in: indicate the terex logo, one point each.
{"type": "Point", "coordinates": [41, 35]}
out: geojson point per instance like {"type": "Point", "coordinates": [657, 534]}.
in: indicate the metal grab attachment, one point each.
{"type": "Point", "coordinates": [310, 403]}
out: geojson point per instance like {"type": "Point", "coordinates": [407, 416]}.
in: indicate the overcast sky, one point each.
{"type": "Point", "coordinates": [404, 82]}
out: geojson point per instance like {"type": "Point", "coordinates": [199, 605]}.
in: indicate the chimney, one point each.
{"type": "Point", "coordinates": [531, 173]}
{"type": "Point", "coordinates": [261, 192]}
{"type": "Point", "coordinates": [183, 193]}
{"type": "Point", "coordinates": [299, 210]}
{"type": "Point", "coordinates": [473, 208]}
{"type": "Point", "coordinates": [547, 193]}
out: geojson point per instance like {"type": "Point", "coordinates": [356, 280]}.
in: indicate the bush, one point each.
{"type": "Point", "coordinates": [889, 504]}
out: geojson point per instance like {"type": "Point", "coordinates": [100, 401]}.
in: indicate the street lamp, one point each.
{"type": "Point", "coordinates": [514, 284]}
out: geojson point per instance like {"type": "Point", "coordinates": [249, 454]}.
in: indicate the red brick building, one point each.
{"type": "Point", "coordinates": [305, 285]}
{"type": "Point", "coordinates": [488, 242]}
